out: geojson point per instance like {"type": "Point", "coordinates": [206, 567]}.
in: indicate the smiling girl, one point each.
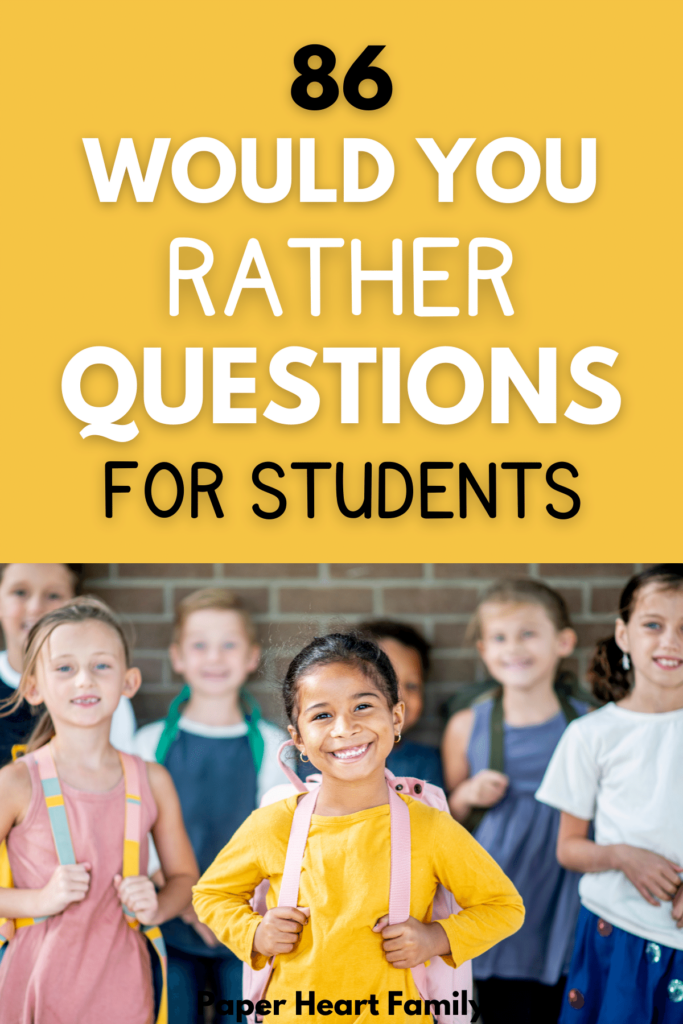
{"type": "Point", "coordinates": [63, 808]}
{"type": "Point", "coordinates": [622, 769]}
{"type": "Point", "coordinates": [494, 755]}
{"type": "Point", "coordinates": [341, 698]}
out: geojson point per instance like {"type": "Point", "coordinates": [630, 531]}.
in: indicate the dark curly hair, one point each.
{"type": "Point", "coordinates": [351, 649]}
{"type": "Point", "coordinates": [608, 678]}
{"type": "Point", "coordinates": [402, 632]}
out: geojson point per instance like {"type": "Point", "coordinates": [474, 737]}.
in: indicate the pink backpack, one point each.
{"type": "Point", "coordinates": [433, 980]}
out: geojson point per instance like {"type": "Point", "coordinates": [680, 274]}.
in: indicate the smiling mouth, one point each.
{"type": "Point", "coordinates": [350, 753]}
{"type": "Point", "coordinates": [85, 702]}
{"type": "Point", "coordinates": [668, 662]}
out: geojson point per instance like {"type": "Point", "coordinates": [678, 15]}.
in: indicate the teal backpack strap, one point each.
{"type": "Point", "coordinates": [252, 716]}
{"type": "Point", "coordinates": [171, 724]}
{"type": "Point", "coordinates": [496, 756]}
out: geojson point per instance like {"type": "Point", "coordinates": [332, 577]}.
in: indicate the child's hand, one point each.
{"type": "Point", "coordinates": [486, 788]}
{"type": "Point", "coordinates": [655, 877]}
{"type": "Point", "coordinates": [69, 884]}
{"type": "Point", "coordinates": [138, 895]}
{"type": "Point", "coordinates": [189, 916]}
{"type": "Point", "coordinates": [411, 943]}
{"type": "Point", "coordinates": [279, 931]}
{"type": "Point", "coordinates": [677, 910]}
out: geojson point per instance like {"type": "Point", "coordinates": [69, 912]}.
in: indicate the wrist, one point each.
{"type": "Point", "coordinates": [439, 941]}
{"type": "Point", "coordinates": [616, 856]}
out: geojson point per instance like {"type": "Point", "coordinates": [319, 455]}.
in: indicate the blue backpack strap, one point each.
{"type": "Point", "coordinates": [170, 730]}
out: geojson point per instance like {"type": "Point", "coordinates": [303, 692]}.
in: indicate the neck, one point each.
{"type": "Point", "coordinates": [652, 699]}
{"type": "Point", "coordinates": [338, 797]}
{"type": "Point", "coordinates": [15, 655]}
{"type": "Point", "coordinates": [219, 710]}
{"type": "Point", "coordinates": [86, 747]}
{"type": "Point", "coordinates": [530, 705]}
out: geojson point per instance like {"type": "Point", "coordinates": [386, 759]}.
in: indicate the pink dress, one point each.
{"type": "Point", "coordinates": [86, 964]}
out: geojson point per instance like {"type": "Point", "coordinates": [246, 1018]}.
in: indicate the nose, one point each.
{"type": "Point", "coordinates": [343, 725]}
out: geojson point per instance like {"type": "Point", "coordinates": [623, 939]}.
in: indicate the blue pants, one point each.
{"type": "Point", "coordinates": [618, 978]}
{"type": "Point", "coordinates": [189, 975]}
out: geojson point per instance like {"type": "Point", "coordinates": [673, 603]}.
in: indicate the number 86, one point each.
{"type": "Point", "coordinates": [359, 71]}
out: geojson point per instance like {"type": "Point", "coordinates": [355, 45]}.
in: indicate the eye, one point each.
{"type": "Point", "coordinates": [102, 666]}
{"type": "Point", "coordinates": [527, 634]}
{"type": "Point", "coordinates": [63, 669]}
{"type": "Point", "coordinates": [411, 687]}
{"type": "Point", "coordinates": [198, 645]}
{"type": "Point", "coordinates": [321, 715]}
{"type": "Point", "coordinates": [498, 638]}
{"type": "Point", "coordinates": [55, 597]}
{"type": "Point", "coordinates": [361, 707]}
{"type": "Point", "coordinates": [652, 625]}
{"type": "Point", "coordinates": [229, 645]}
{"type": "Point", "coordinates": [20, 592]}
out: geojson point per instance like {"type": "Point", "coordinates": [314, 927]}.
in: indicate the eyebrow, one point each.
{"type": "Point", "coordinates": [354, 696]}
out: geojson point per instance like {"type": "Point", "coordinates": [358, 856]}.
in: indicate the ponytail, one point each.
{"type": "Point", "coordinates": [607, 677]}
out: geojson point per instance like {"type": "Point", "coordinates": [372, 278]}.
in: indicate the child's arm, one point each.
{"type": "Point", "coordinates": [484, 789]}
{"type": "Point", "coordinates": [655, 877]}
{"type": "Point", "coordinates": [69, 882]}
{"type": "Point", "coordinates": [177, 858]}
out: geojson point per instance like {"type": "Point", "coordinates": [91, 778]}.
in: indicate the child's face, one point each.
{"type": "Point", "coordinates": [408, 668]}
{"type": "Point", "coordinates": [520, 645]}
{"type": "Point", "coordinates": [653, 636]}
{"type": "Point", "coordinates": [27, 592]}
{"type": "Point", "coordinates": [81, 674]}
{"type": "Point", "coordinates": [345, 725]}
{"type": "Point", "coordinates": [214, 655]}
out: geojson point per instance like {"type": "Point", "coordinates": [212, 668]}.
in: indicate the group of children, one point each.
{"type": "Point", "coordinates": [567, 872]}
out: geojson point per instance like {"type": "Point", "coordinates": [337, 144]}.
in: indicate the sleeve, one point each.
{"type": "Point", "coordinates": [221, 896]}
{"type": "Point", "coordinates": [492, 908]}
{"type": "Point", "coordinates": [571, 780]}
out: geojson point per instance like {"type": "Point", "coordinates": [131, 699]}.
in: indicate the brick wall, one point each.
{"type": "Point", "coordinates": [292, 602]}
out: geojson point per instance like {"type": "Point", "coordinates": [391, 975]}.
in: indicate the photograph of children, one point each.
{"type": "Point", "coordinates": [521, 724]}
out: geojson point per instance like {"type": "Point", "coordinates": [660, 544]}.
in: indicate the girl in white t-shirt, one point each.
{"type": "Point", "coordinates": [621, 768]}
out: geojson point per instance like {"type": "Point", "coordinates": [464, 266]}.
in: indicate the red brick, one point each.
{"type": "Point", "coordinates": [325, 600]}
{"type": "Point", "coordinates": [269, 570]}
{"type": "Point", "coordinates": [386, 570]}
{"type": "Point", "coordinates": [586, 569]}
{"type": "Point", "coordinates": [605, 599]}
{"type": "Point", "coordinates": [255, 598]}
{"type": "Point", "coordinates": [96, 571]}
{"type": "Point", "coordinates": [166, 570]}
{"type": "Point", "coordinates": [132, 600]}
{"type": "Point", "coordinates": [453, 670]}
{"type": "Point", "coordinates": [590, 633]}
{"type": "Point", "coordinates": [151, 668]}
{"type": "Point", "coordinates": [430, 600]}
{"type": "Point", "coordinates": [481, 570]}
{"type": "Point", "coordinates": [574, 598]}
{"type": "Point", "coordinates": [152, 635]}
{"type": "Point", "coordinates": [287, 635]}
{"type": "Point", "coordinates": [451, 634]}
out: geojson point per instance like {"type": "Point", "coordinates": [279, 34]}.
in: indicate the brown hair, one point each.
{"type": "Point", "coordinates": [216, 599]}
{"type": "Point", "coordinates": [608, 678]}
{"type": "Point", "coordinates": [75, 612]}
{"type": "Point", "coordinates": [75, 571]}
{"type": "Point", "coordinates": [523, 592]}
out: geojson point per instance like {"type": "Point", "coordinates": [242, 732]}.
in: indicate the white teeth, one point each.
{"type": "Point", "coordinates": [669, 662]}
{"type": "Point", "coordinates": [349, 752]}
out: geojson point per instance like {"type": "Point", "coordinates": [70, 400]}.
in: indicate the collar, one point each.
{"type": "Point", "coordinates": [214, 732]}
{"type": "Point", "coordinates": [9, 675]}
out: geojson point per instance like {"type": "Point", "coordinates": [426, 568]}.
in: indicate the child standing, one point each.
{"type": "Point", "coordinates": [622, 769]}
{"type": "Point", "coordinates": [341, 698]}
{"type": "Point", "coordinates": [78, 959]}
{"type": "Point", "coordinates": [495, 754]}
{"type": "Point", "coordinates": [222, 757]}
{"type": "Point", "coordinates": [27, 591]}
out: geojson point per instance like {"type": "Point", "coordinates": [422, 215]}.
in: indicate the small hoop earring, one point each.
{"type": "Point", "coordinates": [625, 662]}
{"type": "Point", "coordinates": [397, 739]}
{"type": "Point", "coordinates": [302, 757]}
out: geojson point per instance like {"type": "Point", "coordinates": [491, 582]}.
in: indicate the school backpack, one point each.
{"type": "Point", "coordinates": [434, 980]}
{"type": "Point", "coordinates": [59, 824]}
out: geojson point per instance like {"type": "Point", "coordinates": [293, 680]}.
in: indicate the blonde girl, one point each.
{"type": "Point", "coordinates": [77, 959]}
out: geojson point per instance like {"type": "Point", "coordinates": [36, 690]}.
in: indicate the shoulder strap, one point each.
{"type": "Point", "coordinates": [133, 820]}
{"type": "Point", "coordinates": [170, 730]}
{"type": "Point", "coordinates": [496, 755]}
{"type": "Point", "coordinates": [568, 709]}
{"type": "Point", "coordinates": [298, 836]}
{"type": "Point", "coordinates": [54, 800]}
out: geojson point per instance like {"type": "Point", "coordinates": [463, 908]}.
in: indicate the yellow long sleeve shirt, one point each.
{"type": "Point", "coordinates": [345, 882]}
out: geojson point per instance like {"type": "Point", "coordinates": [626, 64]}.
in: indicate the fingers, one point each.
{"type": "Point", "coordinates": [382, 923]}
{"type": "Point", "coordinates": [288, 914]}
{"type": "Point", "coordinates": [645, 893]}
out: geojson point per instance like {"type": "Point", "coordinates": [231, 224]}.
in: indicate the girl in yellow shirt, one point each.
{"type": "Point", "coordinates": [341, 698]}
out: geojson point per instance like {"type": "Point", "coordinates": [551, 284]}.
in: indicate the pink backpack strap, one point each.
{"type": "Point", "coordinates": [298, 836]}
{"type": "Point", "coordinates": [399, 884]}
{"type": "Point", "coordinates": [292, 776]}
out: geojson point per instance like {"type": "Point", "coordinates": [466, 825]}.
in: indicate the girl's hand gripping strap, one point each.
{"type": "Point", "coordinates": [131, 866]}
{"type": "Point", "coordinates": [399, 883]}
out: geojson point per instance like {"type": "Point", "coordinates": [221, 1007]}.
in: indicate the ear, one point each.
{"type": "Point", "coordinates": [399, 713]}
{"type": "Point", "coordinates": [132, 682]}
{"type": "Point", "coordinates": [566, 642]}
{"type": "Point", "coordinates": [621, 635]}
{"type": "Point", "coordinates": [176, 658]}
{"type": "Point", "coordinates": [254, 658]}
{"type": "Point", "coordinates": [32, 696]}
{"type": "Point", "coordinates": [480, 648]}
{"type": "Point", "coordinates": [298, 742]}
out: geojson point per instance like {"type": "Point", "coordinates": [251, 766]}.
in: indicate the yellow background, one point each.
{"type": "Point", "coordinates": [78, 273]}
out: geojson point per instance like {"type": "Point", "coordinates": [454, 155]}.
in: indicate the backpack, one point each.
{"type": "Point", "coordinates": [433, 980]}
{"type": "Point", "coordinates": [56, 810]}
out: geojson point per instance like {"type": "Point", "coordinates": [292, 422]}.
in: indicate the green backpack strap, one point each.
{"type": "Point", "coordinates": [496, 746]}
{"type": "Point", "coordinates": [252, 716]}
